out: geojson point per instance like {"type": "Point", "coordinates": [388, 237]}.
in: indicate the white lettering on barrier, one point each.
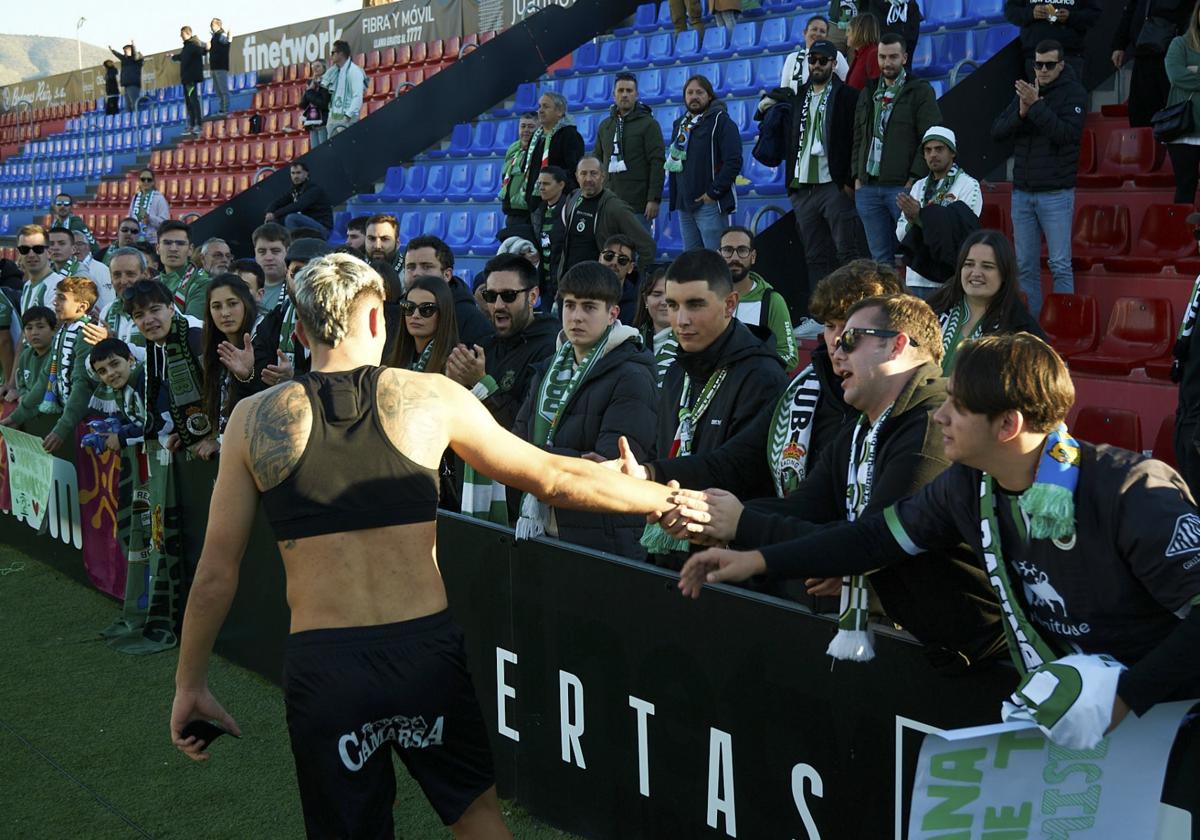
{"type": "Point", "coordinates": [720, 778]}
{"type": "Point", "coordinates": [644, 710]}
{"type": "Point", "coordinates": [289, 49]}
{"type": "Point", "coordinates": [800, 774]}
{"type": "Point", "coordinates": [504, 690]}
{"type": "Point", "coordinates": [571, 719]}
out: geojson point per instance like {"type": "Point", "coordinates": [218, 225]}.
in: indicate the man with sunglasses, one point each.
{"type": "Point", "coordinates": [593, 213]}
{"type": "Point", "coordinates": [889, 360]}
{"type": "Point", "coordinates": [620, 256]}
{"type": "Point", "coordinates": [796, 67]}
{"type": "Point", "coordinates": [128, 231]}
{"type": "Point", "coordinates": [1045, 123]}
{"type": "Point", "coordinates": [759, 305]}
{"type": "Point", "coordinates": [149, 207]}
{"type": "Point", "coordinates": [40, 277]}
{"type": "Point", "coordinates": [63, 217]}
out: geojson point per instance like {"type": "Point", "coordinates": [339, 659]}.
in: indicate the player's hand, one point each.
{"type": "Point", "coordinates": [823, 586]}
{"type": "Point", "coordinates": [282, 372]}
{"type": "Point", "coordinates": [51, 442]}
{"type": "Point", "coordinates": [197, 705]}
{"type": "Point", "coordinates": [718, 565]}
{"type": "Point", "coordinates": [237, 360]}
{"type": "Point", "coordinates": [94, 332]}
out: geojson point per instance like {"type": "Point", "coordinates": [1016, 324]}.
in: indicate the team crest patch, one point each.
{"type": "Point", "coordinates": [793, 453]}
{"type": "Point", "coordinates": [1186, 538]}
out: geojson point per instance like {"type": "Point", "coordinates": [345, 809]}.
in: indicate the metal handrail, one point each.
{"type": "Point", "coordinates": [954, 70]}
{"type": "Point", "coordinates": [263, 173]}
{"type": "Point", "coordinates": [189, 217]}
{"type": "Point", "coordinates": [137, 122]}
{"type": "Point", "coordinates": [757, 216]}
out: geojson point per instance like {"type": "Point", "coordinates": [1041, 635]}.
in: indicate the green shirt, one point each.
{"type": "Point", "coordinates": [195, 293]}
{"type": "Point", "coordinates": [32, 371]}
{"type": "Point", "coordinates": [777, 320]}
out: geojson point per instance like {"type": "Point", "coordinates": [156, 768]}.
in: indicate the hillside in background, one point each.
{"type": "Point", "coordinates": [31, 56]}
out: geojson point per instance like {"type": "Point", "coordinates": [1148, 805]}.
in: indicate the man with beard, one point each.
{"type": "Point", "coordinates": [428, 256]}
{"type": "Point", "coordinates": [356, 234]}
{"type": "Point", "coordinates": [703, 163]}
{"type": "Point", "coordinates": [592, 214]}
{"type": "Point", "coordinates": [188, 283]}
{"type": "Point", "coordinates": [64, 218]}
{"type": "Point", "coordinates": [629, 145]}
{"type": "Point", "coordinates": [796, 68]}
{"type": "Point", "coordinates": [382, 241]}
{"type": "Point", "coordinates": [127, 236]}
{"type": "Point", "coordinates": [216, 256]}
{"type": "Point", "coordinates": [304, 206]}
{"type": "Point", "coordinates": [759, 305]}
{"type": "Point", "coordinates": [271, 241]}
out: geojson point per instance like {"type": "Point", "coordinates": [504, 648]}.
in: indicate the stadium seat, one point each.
{"type": "Point", "coordinates": [650, 86]}
{"type": "Point", "coordinates": [586, 125]}
{"type": "Point", "coordinates": [634, 53]}
{"type": "Point", "coordinates": [949, 48]}
{"type": "Point", "coordinates": [767, 71]}
{"type": "Point", "coordinates": [485, 183]}
{"type": "Point", "coordinates": [939, 13]}
{"type": "Point", "coordinates": [1162, 177]}
{"type": "Point", "coordinates": [741, 111]}
{"type": "Point", "coordinates": [1160, 368]}
{"type": "Point", "coordinates": [673, 82]}
{"type": "Point", "coordinates": [599, 92]}
{"type": "Point", "coordinates": [646, 17]}
{"type": "Point", "coordinates": [459, 185]}
{"type": "Point", "coordinates": [1164, 236]}
{"type": "Point", "coordinates": [414, 182]}
{"type": "Point", "coordinates": [738, 78]}
{"type": "Point", "coordinates": [458, 229]}
{"type": "Point", "coordinates": [745, 39]}
{"type": "Point", "coordinates": [574, 90]}
{"type": "Point", "coordinates": [487, 225]}
{"type": "Point", "coordinates": [764, 180]}
{"type": "Point", "coordinates": [1164, 441]}
{"type": "Point", "coordinates": [774, 35]}
{"type": "Point", "coordinates": [1070, 322]}
{"type": "Point", "coordinates": [483, 139]}
{"type": "Point", "coordinates": [610, 55]}
{"type": "Point", "coordinates": [506, 134]}
{"type": "Point", "coordinates": [436, 180]}
{"type": "Point", "coordinates": [1099, 231]}
{"type": "Point", "coordinates": [1114, 426]}
{"type": "Point", "coordinates": [687, 45]}
{"type": "Point", "coordinates": [716, 43]}
{"type": "Point", "coordinates": [460, 140]}
{"type": "Point", "coordinates": [410, 225]}
{"type": "Point", "coordinates": [393, 185]}
{"type": "Point", "coordinates": [435, 51]}
{"type": "Point", "coordinates": [992, 39]}
{"type": "Point", "coordinates": [433, 223]}
{"type": "Point", "coordinates": [1128, 152]}
{"type": "Point", "coordinates": [1087, 152]}
{"type": "Point", "coordinates": [660, 48]}
{"type": "Point", "coordinates": [1139, 330]}
{"type": "Point", "coordinates": [418, 53]}
{"type": "Point", "coordinates": [584, 60]}
{"type": "Point", "coordinates": [980, 11]}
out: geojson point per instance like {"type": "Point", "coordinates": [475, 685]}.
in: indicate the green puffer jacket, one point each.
{"type": "Point", "coordinates": [643, 151]}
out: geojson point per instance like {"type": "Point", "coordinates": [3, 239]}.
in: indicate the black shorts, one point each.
{"type": "Point", "coordinates": [352, 692]}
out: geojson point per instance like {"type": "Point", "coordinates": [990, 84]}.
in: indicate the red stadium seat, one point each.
{"type": "Point", "coordinates": [288, 149]}
{"type": "Point", "coordinates": [218, 157]}
{"type": "Point", "coordinates": [185, 189]}
{"type": "Point", "coordinates": [1099, 231]}
{"type": "Point", "coordinates": [403, 56]}
{"type": "Point", "coordinates": [1128, 152]}
{"type": "Point", "coordinates": [371, 61]}
{"type": "Point", "coordinates": [271, 123]}
{"type": "Point", "coordinates": [383, 86]}
{"type": "Point", "coordinates": [287, 122]}
{"type": "Point", "coordinates": [387, 57]}
{"type": "Point", "coordinates": [293, 72]}
{"type": "Point", "coordinates": [156, 156]}
{"type": "Point", "coordinates": [203, 157]}
{"type": "Point", "coordinates": [1070, 322]}
{"type": "Point", "coordinates": [1115, 426]}
{"type": "Point", "coordinates": [1164, 236]}
{"type": "Point", "coordinates": [435, 51]}
{"type": "Point", "coordinates": [171, 190]}
{"type": "Point", "coordinates": [199, 189]}
{"type": "Point", "coordinates": [126, 191]}
{"type": "Point", "coordinates": [1164, 441]}
{"type": "Point", "coordinates": [993, 217]}
{"type": "Point", "coordinates": [1160, 368]}
{"type": "Point", "coordinates": [417, 54]}
{"type": "Point", "coordinates": [1087, 152]}
{"type": "Point", "coordinates": [1139, 330]}
{"type": "Point", "coordinates": [451, 47]}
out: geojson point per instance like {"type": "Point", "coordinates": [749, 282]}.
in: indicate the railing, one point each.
{"type": "Point", "coordinates": [263, 173]}
{"type": "Point", "coordinates": [137, 122]}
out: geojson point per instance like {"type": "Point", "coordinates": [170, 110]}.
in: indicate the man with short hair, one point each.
{"type": "Point", "coordinates": [555, 142]}
{"type": "Point", "coordinates": [88, 266]}
{"type": "Point", "coordinates": [346, 83]}
{"type": "Point", "coordinates": [1045, 122]}
{"type": "Point", "coordinates": [131, 74]}
{"type": "Point", "coordinates": [889, 357]}
{"type": "Point", "coordinates": [1089, 549]}
{"type": "Point", "coordinates": [216, 256]}
{"type": "Point", "coordinates": [149, 206]}
{"type": "Point", "coordinates": [703, 162]}
{"type": "Point", "coordinates": [595, 389]}
{"type": "Point", "coordinates": [938, 215]}
{"type": "Point", "coordinates": [60, 245]}
{"type": "Point", "coordinates": [218, 63]}
{"type": "Point", "coordinates": [592, 214]}
{"type": "Point", "coordinates": [513, 174]}
{"type": "Point", "coordinates": [796, 68]}
{"type": "Point", "coordinates": [187, 283]}
{"type": "Point", "coordinates": [382, 241]}
{"type": "Point", "coordinates": [271, 241]}
{"type": "Point", "coordinates": [305, 206]}
{"type": "Point", "coordinates": [887, 156]}
{"type": "Point", "coordinates": [356, 234]}
{"type": "Point", "coordinates": [127, 236]}
{"type": "Point", "coordinates": [630, 148]}
{"type": "Point", "coordinates": [759, 305]}
{"type": "Point", "coordinates": [428, 255]}
{"type": "Point", "coordinates": [128, 266]}
{"type": "Point", "coordinates": [499, 369]}
{"type": "Point", "coordinates": [191, 74]}
{"type": "Point", "coordinates": [723, 379]}
{"type": "Point", "coordinates": [620, 256]}
{"type": "Point", "coordinates": [549, 228]}
{"type": "Point", "coordinates": [63, 217]}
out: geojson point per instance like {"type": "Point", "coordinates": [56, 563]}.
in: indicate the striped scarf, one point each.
{"type": "Point", "coordinates": [951, 322]}
{"type": "Point", "coordinates": [141, 205]}
{"type": "Point", "coordinates": [544, 136]}
{"type": "Point", "coordinates": [885, 97]}
{"type": "Point", "coordinates": [1186, 326]}
{"type": "Point", "coordinates": [181, 288]}
{"type": "Point", "coordinates": [420, 363]}
{"type": "Point", "coordinates": [62, 366]}
{"type": "Point", "coordinates": [666, 348]}
{"type": "Point", "coordinates": [791, 431]}
{"type": "Point", "coordinates": [677, 153]}
{"type": "Point", "coordinates": [937, 190]}
{"type": "Point", "coordinates": [483, 498]}
{"type": "Point", "coordinates": [617, 162]}
{"type": "Point", "coordinates": [71, 269]}
{"type": "Point", "coordinates": [174, 362]}
{"type": "Point", "coordinates": [810, 148]}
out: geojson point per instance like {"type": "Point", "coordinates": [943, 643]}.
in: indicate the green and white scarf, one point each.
{"type": "Point", "coordinates": [545, 136]}
{"type": "Point", "coordinates": [791, 431]}
{"type": "Point", "coordinates": [561, 382]}
{"type": "Point", "coordinates": [287, 331]}
{"type": "Point", "coordinates": [421, 361]}
{"type": "Point", "coordinates": [666, 348]}
{"type": "Point", "coordinates": [951, 323]}
{"type": "Point", "coordinates": [812, 129]}
{"type": "Point", "coordinates": [62, 367]}
{"type": "Point", "coordinates": [853, 640]}
{"type": "Point", "coordinates": [482, 497]}
{"type": "Point", "coordinates": [885, 97]}
{"type": "Point", "coordinates": [174, 361]}
{"type": "Point", "coordinates": [120, 325]}
{"type": "Point", "coordinates": [677, 153]}
{"type": "Point", "coordinates": [1182, 346]}
{"type": "Point", "coordinates": [141, 205]}
{"type": "Point", "coordinates": [71, 268]}
{"type": "Point", "coordinates": [616, 163]}
{"type": "Point", "coordinates": [181, 289]}
{"type": "Point", "coordinates": [654, 539]}
{"type": "Point", "coordinates": [937, 190]}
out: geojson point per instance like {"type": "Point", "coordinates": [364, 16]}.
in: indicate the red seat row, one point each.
{"type": "Point", "coordinates": [1140, 333]}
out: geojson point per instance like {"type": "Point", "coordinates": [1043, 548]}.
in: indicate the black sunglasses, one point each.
{"type": "Point", "coordinates": [1046, 65]}
{"type": "Point", "coordinates": [426, 310]}
{"type": "Point", "coordinates": [508, 295]}
{"type": "Point", "coordinates": [849, 338]}
{"type": "Point", "coordinates": [141, 287]}
{"type": "Point", "coordinates": [37, 249]}
{"type": "Point", "coordinates": [145, 180]}
{"type": "Point", "coordinates": [819, 59]}
{"type": "Point", "coordinates": [609, 256]}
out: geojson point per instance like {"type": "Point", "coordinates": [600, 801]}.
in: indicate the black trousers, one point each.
{"type": "Point", "coordinates": [1185, 160]}
{"type": "Point", "coordinates": [191, 98]}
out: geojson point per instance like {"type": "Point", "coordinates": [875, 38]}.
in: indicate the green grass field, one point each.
{"type": "Point", "coordinates": [85, 750]}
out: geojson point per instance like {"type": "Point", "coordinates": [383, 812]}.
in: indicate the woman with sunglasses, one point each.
{"type": "Point", "coordinates": [149, 207]}
{"type": "Point", "coordinates": [984, 296]}
{"type": "Point", "coordinates": [231, 314]}
{"type": "Point", "coordinates": [653, 321]}
{"type": "Point", "coordinates": [429, 329]}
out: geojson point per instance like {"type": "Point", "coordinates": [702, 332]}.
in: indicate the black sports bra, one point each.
{"type": "Point", "coordinates": [350, 476]}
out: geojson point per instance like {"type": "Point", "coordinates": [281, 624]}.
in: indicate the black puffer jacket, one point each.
{"type": "Point", "coordinates": [510, 362]}
{"type": "Point", "coordinates": [1046, 142]}
{"type": "Point", "coordinates": [191, 61]}
{"type": "Point", "coordinates": [838, 132]}
{"type": "Point", "coordinates": [618, 398]}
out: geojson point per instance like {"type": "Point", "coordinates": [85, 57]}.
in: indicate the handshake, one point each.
{"type": "Point", "coordinates": [97, 438]}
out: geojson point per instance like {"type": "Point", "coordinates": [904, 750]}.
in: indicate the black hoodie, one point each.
{"type": "Point", "coordinates": [943, 598]}
{"type": "Point", "coordinates": [191, 61]}
{"type": "Point", "coordinates": [510, 362]}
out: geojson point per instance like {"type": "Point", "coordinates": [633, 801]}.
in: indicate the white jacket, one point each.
{"type": "Point", "coordinates": [965, 189]}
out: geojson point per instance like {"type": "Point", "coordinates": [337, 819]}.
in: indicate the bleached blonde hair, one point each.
{"type": "Point", "coordinates": [327, 292]}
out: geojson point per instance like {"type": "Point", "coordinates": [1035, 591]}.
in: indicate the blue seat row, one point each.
{"type": "Point", "coordinates": [951, 13]}
{"type": "Point", "coordinates": [935, 55]}
{"type": "Point", "coordinates": [459, 181]}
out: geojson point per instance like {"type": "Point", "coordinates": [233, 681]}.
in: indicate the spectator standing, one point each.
{"type": "Point", "coordinates": [795, 66]}
{"type": "Point", "coordinates": [939, 232]}
{"type": "Point", "coordinates": [131, 74]}
{"type": "Point", "coordinates": [149, 206]}
{"type": "Point", "coordinates": [185, 281]}
{"type": "Point", "coordinates": [314, 105]}
{"type": "Point", "coordinates": [128, 231]}
{"type": "Point", "coordinates": [983, 296]}
{"type": "Point", "coordinates": [596, 388]}
{"type": "Point", "coordinates": [630, 147]}
{"type": "Point", "coordinates": [863, 38]}
{"type": "Point", "coordinates": [218, 63]}
{"type": "Point", "coordinates": [902, 17]}
{"type": "Point", "coordinates": [620, 256]}
{"type": "Point", "coordinates": [1183, 71]}
{"type": "Point", "coordinates": [252, 275]}
{"type": "Point", "coordinates": [112, 89]}
{"type": "Point", "coordinates": [382, 241]}
{"type": "Point", "coordinates": [429, 256]}
{"type": "Point", "coordinates": [231, 316]}
{"type": "Point", "coordinates": [1068, 24]}
{"type": "Point", "coordinates": [1146, 41]}
{"type": "Point", "coordinates": [191, 74]}
{"type": "Point", "coordinates": [703, 163]}
{"type": "Point", "coordinates": [726, 13]}
{"type": "Point", "coordinates": [591, 214]}
{"type": "Point", "coordinates": [61, 248]}
{"type": "Point", "coordinates": [892, 117]}
{"type": "Point", "coordinates": [555, 142]}
{"type": "Point", "coordinates": [40, 276]}
{"type": "Point", "coordinates": [1045, 121]}
{"type": "Point", "coordinates": [550, 230]}
{"type": "Point", "coordinates": [271, 241]}
{"type": "Point", "coordinates": [819, 145]}
{"type": "Point", "coordinates": [305, 206]}
{"type": "Point", "coordinates": [346, 83]}
{"type": "Point", "coordinates": [64, 217]}
{"type": "Point", "coordinates": [685, 11]}
{"type": "Point", "coordinates": [356, 235]}
{"type": "Point", "coordinates": [759, 305]}
{"type": "Point", "coordinates": [512, 177]}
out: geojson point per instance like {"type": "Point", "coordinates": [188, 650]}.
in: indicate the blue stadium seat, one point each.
{"type": "Point", "coordinates": [774, 35]}
{"type": "Point", "coordinates": [796, 30]}
{"type": "Point", "coordinates": [506, 134]}
{"type": "Point", "coordinates": [922, 58]}
{"type": "Point", "coordinates": [716, 43]}
{"type": "Point", "coordinates": [650, 86]}
{"type": "Point", "coordinates": [393, 184]}
{"type": "Point", "coordinates": [460, 140]}
{"type": "Point", "coordinates": [745, 38]}
{"type": "Point", "coordinates": [599, 92]}
{"type": "Point", "coordinates": [434, 224]}
{"type": "Point", "coordinates": [939, 13]}
{"type": "Point", "coordinates": [646, 18]}
{"type": "Point", "coordinates": [939, 87]}
{"type": "Point", "coordinates": [660, 49]}
{"type": "Point", "coordinates": [665, 117]}
{"type": "Point", "coordinates": [687, 45]}
{"type": "Point", "coordinates": [610, 55]}
{"type": "Point", "coordinates": [414, 182]}
{"type": "Point", "coordinates": [669, 237]}
{"type": "Point", "coordinates": [574, 89]}
{"type": "Point", "coordinates": [634, 52]}
{"type": "Point", "coordinates": [437, 178]}
{"type": "Point", "coordinates": [486, 182]}
{"type": "Point", "coordinates": [738, 78]}
{"type": "Point", "coordinates": [993, 39]}
{"type": "Point", "coordinates": [483, 138]}
{"type": "Point", "coordinates": [767, 71]}
{"type": "Point", "coordinates": [741, 111]}
{"type": "Point", "coordinates": [583, 60]}
{"type": "Point", "coordinates": [664, 15]}
{"type": "Point", "coordinates": [459, 185]}
{"type": "Point", "coordinates": [487, 225]}
{"type": "Point", "coordinates": [458, 229]}
{"type": "Point", "coordinates": [979, 11]}
{"type": "Point", "coordinates": [526, 98]}
{"type": "Point", "coordinates": [586, 123]}
{"type": "Point", "coordinates": [949, 48]}
{"type": "Point", "coordinates": [764, 180]}
{"type": "Point", "coordinates": [674, 81]}
{"type": "Point", "coordinates": [410, 225]}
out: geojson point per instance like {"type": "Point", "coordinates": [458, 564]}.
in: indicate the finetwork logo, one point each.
{"type": "Point", "coordinates": [289, 49]}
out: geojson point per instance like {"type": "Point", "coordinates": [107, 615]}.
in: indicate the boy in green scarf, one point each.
{"type": "Point", "coordinates": [37, 326]}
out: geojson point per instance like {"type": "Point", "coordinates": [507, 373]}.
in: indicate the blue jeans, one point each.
{"type": "Point", "coordinates": [876, 205]}
{"type": "Point", "coordinates": [1035, 214]}
{"type": "Point", "coordinates": [702, 227]}
{"type": "Point", "coordinates": [295, 221]}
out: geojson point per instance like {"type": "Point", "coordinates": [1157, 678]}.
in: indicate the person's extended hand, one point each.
{"type": "Point", "coordinates": [237, 360]}
{"type": "Point", "coordinates": [909, 206]}
{"type": "Point", "coordinates": [652, 208]}
{"type": "Point", "coordinates": [197, 705]}
{"type": "Point", "coordinates": [9, 393]}
{"type": "Point", "coordinates": [717, 565]}
{"type": "Point", "coordinates": [713, 514]}
{"type": "Point", "coordinates": [823, 586]}
{"type": "Point", "coordinates": [94, 332]}
{"type": "Point", "coordinates": [174, 442]}
{"type": "Point", "coordinates": [51, 442]}
{"type": "Point", "coordinates": [270, 217]}
{"type": "Point", "coordinates": [1041, 11]}
{"type": "Point", "coordinates": [282, 372]}
{"type": "Point", "coordinates": [466, 365]}
{"type": "Point", "coordinates": [206, 449]}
